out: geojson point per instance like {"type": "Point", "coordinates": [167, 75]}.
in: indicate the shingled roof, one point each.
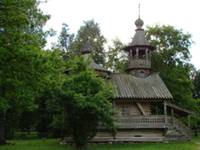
{"type": "Point", "coordinates": [127, 86]}
{"type": "Point", "coordinates": [98, 67]}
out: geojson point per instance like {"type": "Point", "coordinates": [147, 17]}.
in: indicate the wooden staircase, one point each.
{"type": "Point", "coordinates": [177, 130]}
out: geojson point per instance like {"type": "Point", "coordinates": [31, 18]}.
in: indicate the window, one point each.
{"type": "Point", "coordinates": [125, 111]}
{"type": "Point", "coordinates": [141, 53]}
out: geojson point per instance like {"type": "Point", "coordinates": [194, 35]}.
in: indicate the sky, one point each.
{"type": "Point", "coordinates": [116, 17]}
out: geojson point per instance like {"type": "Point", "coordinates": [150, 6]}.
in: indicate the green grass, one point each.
{"type": "Point", "coordinates": [36, 144]}
{"type": "Point", "coordinates": [53, 144]}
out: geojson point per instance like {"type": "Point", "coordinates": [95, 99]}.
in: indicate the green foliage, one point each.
{"type": "Point", "coordinates": [117, 58]}
{"type": "Point", "coordinates": [86, 101]}
{"type": "Point", "coordinates": [21, 39]}
{"type": "Point", "coordinates": [50, 85]}
{"type": "Point", "coordinates": [26, 71]}
{"type": "Point", "coordinates": [196, 82]}
{"type": "Point", "coordinates": [91, 33]}
{"type": "Point", "coordinates": [171, 43]}
{"type": "Point", "coordinates": [20, 51]}
{"type": "Point", "coordinates": [172, 60]}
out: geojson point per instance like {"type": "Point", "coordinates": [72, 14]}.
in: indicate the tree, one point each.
{"type": "Point", "coordinates": [90, 33]}
{"type": "Point", "coordinates": [171, 43]}
{"type": "Point", "coordinates": [65, 39]}
{"type": "Point", "coordinates": [52, 82]}
{"type": "Point", "coordinates": [86, 102]}
{"type": "Point", "coordinates": [117, 58]}
{"type": "Point", "coordinates": [23, 64]}
{"type": "Point", "coordinates": [172, 61]}
{"type": "Point", "coordinates": [196, 96]}
{"type": "Point", "coordinates": [196, 82]}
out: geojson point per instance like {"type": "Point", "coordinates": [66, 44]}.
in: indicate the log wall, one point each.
{"type": "Point", "coordinates": [132, 109]}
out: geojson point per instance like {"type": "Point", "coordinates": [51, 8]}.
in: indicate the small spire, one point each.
{"type": "Point", "coordinates": [139, 10]}
{"type": "Point", "coordinates": [139, 22]}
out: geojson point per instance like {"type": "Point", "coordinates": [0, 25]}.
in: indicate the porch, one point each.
{"type": "Point", "coordinates": [152, 128]}
{"type": "Point", "coordinates": [152, 121]}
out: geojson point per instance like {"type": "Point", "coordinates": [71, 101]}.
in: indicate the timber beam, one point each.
{"type": "Point", "coordinates": [141, 109]}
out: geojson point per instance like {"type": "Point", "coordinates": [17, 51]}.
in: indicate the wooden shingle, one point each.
{"type": "Point", "coordinates": [127, 86]}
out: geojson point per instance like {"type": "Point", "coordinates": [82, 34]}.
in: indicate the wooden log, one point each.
{"type": "Point", "coordinates": [141, 109]}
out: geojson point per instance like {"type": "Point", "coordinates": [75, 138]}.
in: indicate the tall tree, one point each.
{"type": "Point", "coordinates": [116, 58]}
{"type": "Point", "coordinates": [196, 82]}
{"type": "Point", "coordinates": [86, 101]}
{"type": "Point", "coordinates": [172, 60]}
{"type": "Point", "coordinates": [196, 96]}
{"type": "Point", "coordinates": [50, 85]}
{"type": "Point", "coordinates": [65, 38]}
{"type": "Point", "coordinates": [91, 33]}
{"type": "Point", "coordinates": [22, 62]}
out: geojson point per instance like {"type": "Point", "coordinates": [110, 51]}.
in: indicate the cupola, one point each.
{"type": "Point", "coordinates": [139, 52]}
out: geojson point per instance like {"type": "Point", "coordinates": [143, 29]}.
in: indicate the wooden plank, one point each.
{"type": "Point", "coordinates": [141, 109]}
{"type": "Point", "coordinates": [172, 113]}
{"type": "Point", "coordinates": [179, 108]}
{"type": "Point", "coordinates": [165, 111]}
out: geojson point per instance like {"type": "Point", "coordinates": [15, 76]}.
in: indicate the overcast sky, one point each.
{"type": "Point", "coordinates": [116, 17]}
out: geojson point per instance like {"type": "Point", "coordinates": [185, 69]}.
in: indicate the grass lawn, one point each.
{"type": "Point", "coordinates": [52, 144]}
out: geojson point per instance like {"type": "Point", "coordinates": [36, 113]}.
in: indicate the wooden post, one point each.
{"type": "Point", "coordinates": [137, 53]}
{"type": "Point", "coordinates": [131, 53]}
{"type": "Point", "coordinates": [188, 121]}
{"type": "Point", "coordinates": [146, 58]}
{"type": "Point", "coordinates": [146, 53]}
{"type": "Point", "coordinates": [172, 113]}
{"type": "Point", "coordinates": [165, 111]}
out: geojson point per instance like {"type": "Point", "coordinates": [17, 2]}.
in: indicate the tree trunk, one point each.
{"type": "Point", "coordinates": [42, 125]}
{"type": "Point", "coordinates": [2, 128]}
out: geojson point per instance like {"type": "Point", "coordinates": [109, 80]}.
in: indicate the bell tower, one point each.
{"type": "Point", "coordinates": [139, 52]}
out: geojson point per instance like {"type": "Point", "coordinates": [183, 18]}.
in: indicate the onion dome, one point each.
{"type": "Point", "coordinates": [139, 39]}
{"type": "Point", "coordinates": [139, 23]}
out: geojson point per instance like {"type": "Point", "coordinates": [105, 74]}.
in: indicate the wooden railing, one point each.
{"type": "Point", "coordinates": [140, 63]}
{"type": "Point", "coordinates": [156, 121]}
{"type": "Point", "coordinates": [182, 127]}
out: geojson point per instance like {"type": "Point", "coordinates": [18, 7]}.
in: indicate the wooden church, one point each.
{"type": "Point", "coordinates": [142, 101]}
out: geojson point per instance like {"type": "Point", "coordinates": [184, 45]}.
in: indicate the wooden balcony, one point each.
{"type": "Point", "coordinates": [140, 63]}
{"type": "Point", "coordinates": [156, 121]}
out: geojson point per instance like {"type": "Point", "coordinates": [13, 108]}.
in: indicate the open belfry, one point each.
{"type": "Point", "coordinates": [142, 102]}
